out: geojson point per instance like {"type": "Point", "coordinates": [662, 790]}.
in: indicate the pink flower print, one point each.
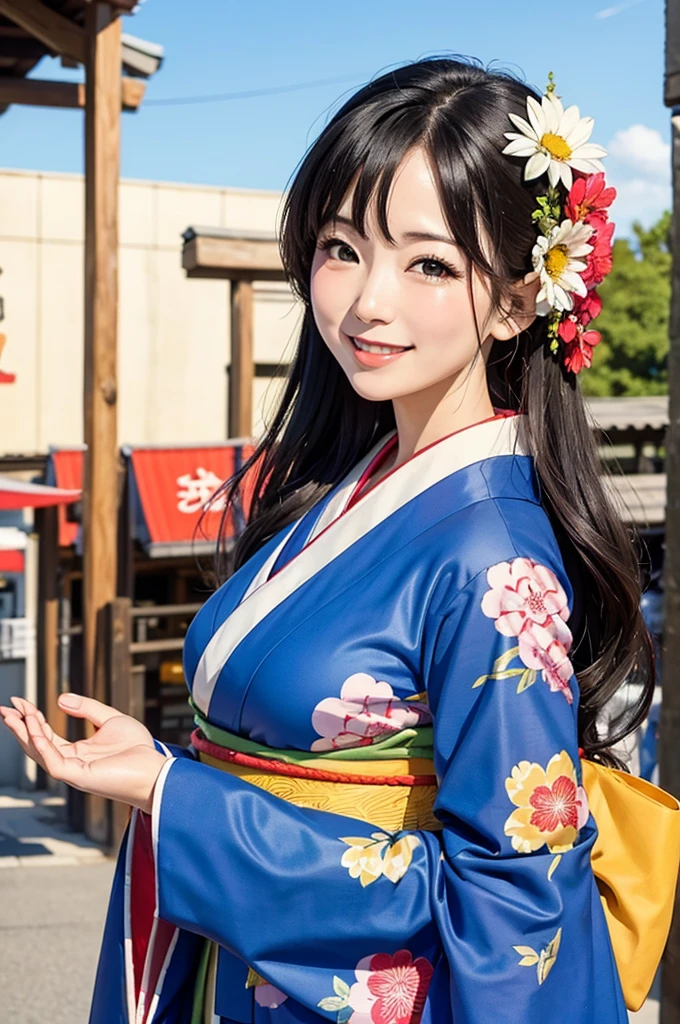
{"type": "Point", "coordinates": [390, 989]}
{"type": "Point", "coordinates": [366, 711]}
{"type": "Point", "coordinates": [527, 601]}
{"type": "Point", "coordinates": [269, 996]}
{"type": "Point", "coordinates": [523, 591]}
{"type": "Point", "coordinates": [539, 649]}
{"type": "Point", "coordinates": [582, 808]}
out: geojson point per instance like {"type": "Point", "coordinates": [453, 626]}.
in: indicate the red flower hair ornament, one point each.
{"type": "Point", "coordinates": [573, 251]}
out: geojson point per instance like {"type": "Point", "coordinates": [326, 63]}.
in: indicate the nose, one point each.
{"type": "Point", "coordinates": [375, 299]}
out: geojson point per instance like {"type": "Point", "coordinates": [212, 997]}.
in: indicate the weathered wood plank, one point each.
{"type": "Point", "coordinates": [39, 92]}
{"type": "Point", "coordinates": [100, 495]}
{"type": "Point", "coordinates": [241, 371]}
{"type": "Point", "coordinates": [60, 34]}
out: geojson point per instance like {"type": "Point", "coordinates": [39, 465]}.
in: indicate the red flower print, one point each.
{"type": "Point", "coordinates": [550, 806]}
{"type": "Point", "coordinates": [555, 806]}
{"type": "Point", "coordinates": [587, 307]}
{"type": "Point", "coordinates": [587, 196]}
{"type": "Point", "coordinates": [400, 985]}
{"type": "Point", "coordinates": [579, 342]}
{"type": "Point", "coordinates": [579, 349]}
{"type": "Point", "coordinates": [599, 260]}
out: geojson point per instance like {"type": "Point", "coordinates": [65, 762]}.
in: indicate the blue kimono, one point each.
{"type": "Point", "coordinates": [439, 597]}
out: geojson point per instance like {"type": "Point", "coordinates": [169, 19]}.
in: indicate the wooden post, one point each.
{"type": "Point", "coordinates": [669, 729]}
{"type": "Point", "coordinates": [241, 370]}
{"type": "Point", "coordinates": [47, 525]}
{"type": "Point", "coordinates": [102, 163]}
{"type": "Point", "coordinates": [669, 742]}
{"type": "Point", "coordinates": [127, 689]}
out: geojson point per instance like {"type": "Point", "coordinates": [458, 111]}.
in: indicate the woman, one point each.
{"type": "Point", "coordinates": [382, 819]}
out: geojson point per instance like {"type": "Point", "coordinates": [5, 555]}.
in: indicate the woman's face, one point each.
{"type": "Point", "coordinates": [415, 296]}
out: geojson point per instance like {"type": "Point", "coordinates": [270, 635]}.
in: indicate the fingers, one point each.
{"type": "Point", "coordinates": [24, 707]}
{"type": "Point", "coordinates": [36, 739]}
{"type": "Point", "coordinates": [43, 750]}
{"type": "Point", "coordinates": [22, 726]}
{"type": "Point", "coordinates": [86, 707]}
{"type": "Point", "coordinates": [15, 723]}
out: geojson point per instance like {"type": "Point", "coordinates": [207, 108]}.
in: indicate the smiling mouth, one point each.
{"type": "Point", "coordinates": [379, 350]}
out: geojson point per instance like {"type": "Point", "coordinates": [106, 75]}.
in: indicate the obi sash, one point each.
{"type": "Point", "coordinates": [392, 784]}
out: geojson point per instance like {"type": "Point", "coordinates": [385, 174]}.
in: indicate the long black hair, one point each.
{"type": "Point", "coordinates": [457, 112]}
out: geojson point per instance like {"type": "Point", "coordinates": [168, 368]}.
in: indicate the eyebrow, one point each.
{"type": "Point", "coordinates": [413, 236]}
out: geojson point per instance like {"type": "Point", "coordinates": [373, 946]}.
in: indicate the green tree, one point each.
{"type": "Point", "coordinates": [632, 357]}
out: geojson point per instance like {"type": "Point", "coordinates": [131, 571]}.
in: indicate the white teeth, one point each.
{"type": "Point", "coordinates": [380, 349]}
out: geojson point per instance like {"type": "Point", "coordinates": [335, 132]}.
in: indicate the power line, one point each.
{"type": "Point", "coordinates": [221, 97]}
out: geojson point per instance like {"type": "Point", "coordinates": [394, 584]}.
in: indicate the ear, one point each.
{"type": "Point", "coordinates": [506, 327]}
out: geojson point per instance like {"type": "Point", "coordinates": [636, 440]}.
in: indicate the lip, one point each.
{"type": "Point", "coordinates": [374, 358]}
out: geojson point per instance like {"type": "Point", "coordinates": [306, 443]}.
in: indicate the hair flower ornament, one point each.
{"type": "Point", "coordinates": [573, 251]}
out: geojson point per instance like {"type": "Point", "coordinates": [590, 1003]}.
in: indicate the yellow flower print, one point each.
{"type": "Point", "coordinates": [368, 859]}
{"type": "Point", "coordinates": [364, 857]}
{"type": "Point", "coordinates": [397, 857]}
{"type": "Point", "coordinates": [551, 806]}
{"type": "Point", "coordinates": [544, 960]}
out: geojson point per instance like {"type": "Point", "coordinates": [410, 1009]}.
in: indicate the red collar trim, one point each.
{"type": "Point", "coordinates": [381, 456]}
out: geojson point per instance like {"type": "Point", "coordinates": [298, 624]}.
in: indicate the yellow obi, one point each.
{"type": "Point", "coordinates": [388, 807]}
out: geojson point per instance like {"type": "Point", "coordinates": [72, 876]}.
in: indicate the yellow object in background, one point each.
{"type": "Point", "coordinates": [172, 672]}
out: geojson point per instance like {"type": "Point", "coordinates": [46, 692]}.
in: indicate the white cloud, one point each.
{"type": "Point", "coordinates": [638, 199]}
{"type": "Point", "coordinates": [643, 150]}
{"type": "Point", "coordinates": [641, 175]}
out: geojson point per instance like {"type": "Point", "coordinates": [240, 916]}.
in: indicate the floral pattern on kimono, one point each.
{"type": "Point", "coordinates": [528, 602]}
{"type": "Point", "coordinates": [368, 859]}
{"type": "Point", "coordinates": [388, 990]}
{"type": "Point", "coordinates": [551, 806]}
{"type": "Point", "coordinates": [366, 711]}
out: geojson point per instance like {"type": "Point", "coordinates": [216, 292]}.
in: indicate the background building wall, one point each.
{"type": "Point", "coordinates": [173, 332]}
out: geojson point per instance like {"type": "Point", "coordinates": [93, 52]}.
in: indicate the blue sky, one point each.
{"type": "Point", "coordinates": [607, 57]}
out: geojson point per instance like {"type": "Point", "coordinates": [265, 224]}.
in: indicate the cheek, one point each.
{"type": "Point", "coordinates": [326, 296]}
{"type": "Point", "coordinates": [439, 315]}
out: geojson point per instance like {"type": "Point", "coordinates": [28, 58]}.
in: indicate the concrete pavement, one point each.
{"type": "Point", "coordinates": [50, 930]}
{"type": "Point", "coordinates": [54, 887]}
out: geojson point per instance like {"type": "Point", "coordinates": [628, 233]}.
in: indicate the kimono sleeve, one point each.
{"type": "Point", "coordinates": [515, 900]}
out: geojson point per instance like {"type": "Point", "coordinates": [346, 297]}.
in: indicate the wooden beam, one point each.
{"type": "Point", "coordinates": [234, 258]}
{"type": "Point", "coordinates": [132, 93]}
{"type": "Point", "coordinates": [38, 92]}
{"type": "Point", "coordinates": [241, 369]}
{"type": "Point", "coordinates": [22, 48]}
{"type": "Point", "coordinates": [100, 494]}
{"type": "Point", "coordinates": [60, 34]}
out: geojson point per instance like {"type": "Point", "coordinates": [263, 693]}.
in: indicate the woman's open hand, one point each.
{"type": "Point", "coordinates": [119, 761]}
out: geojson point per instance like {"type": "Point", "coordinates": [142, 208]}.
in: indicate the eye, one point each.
{"type": "Point", "coordinates": [328, 243]}
{"type": "Point", "coordinates": [448, 271]}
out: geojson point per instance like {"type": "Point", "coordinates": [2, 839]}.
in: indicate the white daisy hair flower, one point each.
{"type": "Point", "coordinates": [555, 140]}
{"type": "Point", "coordinates": [557, 259]}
